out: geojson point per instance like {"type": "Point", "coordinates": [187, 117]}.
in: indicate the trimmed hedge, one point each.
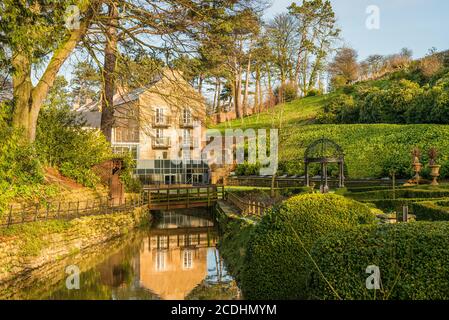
{"type": "Point", "coordinates": [400, 193]}
{"type": "Point", "coordinates": [276, 258]}
{"type": "Point", "coordinates": [395, 204]}
{"type": "Point", "coordinates": [368, 188]}
{"type": "Point", "coordinates": [431, 210]}
{"type": "Point", "coordinates": [413, 259]}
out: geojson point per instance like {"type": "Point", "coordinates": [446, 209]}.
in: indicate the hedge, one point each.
{"type": "Point", "coordinates": [413, 259]}
{"type": "Point", "coordinates": [275, 261]}
{"type": "Point", "coordinates": [400, 193]}
{"type": "Point", "coordinates": [395, 204]}
{"type": "Point", "coordinates": [431, 210]}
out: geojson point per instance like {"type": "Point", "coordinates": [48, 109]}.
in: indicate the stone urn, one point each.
{"type": "Point", "coordinates": [417, 169]}
{"type": "Point", "coordinates": [435, 173]}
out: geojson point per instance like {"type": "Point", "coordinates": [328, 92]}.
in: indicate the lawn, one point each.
{"type": "Point", "coordinates": [298, 112]}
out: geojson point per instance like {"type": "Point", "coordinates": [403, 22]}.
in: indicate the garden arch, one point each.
{"type": "Point", "coordinates": [325, 151]}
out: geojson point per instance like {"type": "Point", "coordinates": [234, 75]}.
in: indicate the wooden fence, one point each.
{"type": "Point", "coordinates": [247, 207]}
{"type": "Point", "coordinates": [67, 210]}
{"type": "Point", "coordinates": [289, 182]}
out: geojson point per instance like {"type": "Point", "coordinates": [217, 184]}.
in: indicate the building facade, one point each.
{"type": "Point", "coordinates": [161, 126]}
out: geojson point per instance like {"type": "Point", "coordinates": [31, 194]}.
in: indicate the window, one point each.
{"type": "Point", "coordinates": [126, 134]}
{"type": "Point", "coordinates": [186, 137]}
{"type": "Point", "coordinates": [160, 115]}
{"type": "Point", "coordinates": [186, 116]}
{"type": "Point", "coordinates": [186, 154]}
{"type": "Point", "coordinates": [124, 149]}
{"type": "Point", "coordinates": [159, 133]}
{"type": "Point", "coordinates": [187, 259]}
{"type": "Point", "coordinates": [160, 260]}
{"type": "Point", "coordinates": [162, 242]}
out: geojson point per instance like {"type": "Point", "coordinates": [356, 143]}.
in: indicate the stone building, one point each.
{"type": "Point", "coordinates": [161, 125]}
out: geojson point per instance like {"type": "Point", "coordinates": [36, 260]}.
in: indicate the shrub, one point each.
{"type": "Point", "coordinates": [430, 211]}
{"type": "Point", "coordinates": [62, 142]}
{"type": "Point", "coordinates": [247, 169]}
{"type": "Point", "coordinates": [314, 93]}
{"type": "Point", "coordinates": [132, 184]}
{"type": "Point", "coordinates": [413, 259]}
{"type": "Point", "coordinates": [277, 250]}
{"type": "Point", "coordinates": [288, 91]}
{"type": "Point", "coordinates": [20, 170]}
{"type": "Point", "coordinates": [398, 101]}
{"type": "Point", "coordinates": [340, 109]}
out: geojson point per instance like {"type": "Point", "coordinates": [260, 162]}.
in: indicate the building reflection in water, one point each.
{"type": "Point", "coordinates": [177, 255]}
{"type": "Point", "coordinates": [174, 257]}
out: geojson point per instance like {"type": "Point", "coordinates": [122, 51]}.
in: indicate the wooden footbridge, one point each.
{"type": "Point", "coordinates": [172, 197]}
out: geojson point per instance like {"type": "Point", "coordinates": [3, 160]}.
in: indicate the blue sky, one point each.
{"type": "Point", "coordinates": [415, 24]}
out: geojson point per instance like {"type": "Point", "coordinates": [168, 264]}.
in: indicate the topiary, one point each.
{"type": "Point", "coordinates": [413, 260]}
{"type": "Point", "coordinates": [277, 255]}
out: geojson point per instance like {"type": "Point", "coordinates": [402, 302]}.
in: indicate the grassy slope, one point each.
{"type": "Point", "coordinates": [368, 147]}
{"type": "Point", "coordinates": [294, 113]}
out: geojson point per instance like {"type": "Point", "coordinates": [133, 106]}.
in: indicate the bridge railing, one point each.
{"type": "Point", "coordinates": [183, 197]}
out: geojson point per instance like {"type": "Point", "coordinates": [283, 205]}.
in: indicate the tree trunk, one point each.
{"type": "Point", "coordinates": [257, 93]}
{"type": "Point", "coordinates": [245, 97]}
{"type": "Point", "coordinates": [237, 89]}
{"type": "Point", "coordinates": [270, 88]}
{"type": "Point", "coordinates": [110, 59]}
{"type": "Point", "coordinates": [218, 95]}
{"type": "Point", "coordinates": [22, 88]}
{"type": "Point", "coordinates": [29, 100]}
{"type": "Point", "coordinates": [200, 83]}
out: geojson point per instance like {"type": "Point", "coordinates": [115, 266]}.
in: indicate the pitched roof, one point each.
{"type": "Point", "coordinates": [120, 97]}
{"type": "Point", "coordinates": [92, 119]}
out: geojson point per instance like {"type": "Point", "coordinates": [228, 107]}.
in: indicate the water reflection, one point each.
{"type": "Point", "coordinates": [176, 259]}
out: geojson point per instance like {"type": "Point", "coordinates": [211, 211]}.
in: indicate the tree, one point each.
{"type": "Point", "coordinates": [283, 40]}
{"type": "Point", "coordinates": [262, 57]}
{"type": "Point", "coordinates": [431, 64]}
{"type": "Point", "coordinates": [317, 32]}
{"type": "Point", "coordinates": [163, 30]}
{"type": "Point", "coordinates": [374, 63]}
{"type": "Point", "coordinates": [344, 69]}
{"type": "Point", "coordinates": [24, 34]}
{"type": "Point", "coordinates": [85, 83]}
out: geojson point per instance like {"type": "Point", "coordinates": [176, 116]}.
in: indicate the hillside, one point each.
{"type": "Point", "coordinates": [377, 122]}
{"type": "Point", "coordinates": [372, 150]}
{"type": "Point", "coordinates": [298, 112]}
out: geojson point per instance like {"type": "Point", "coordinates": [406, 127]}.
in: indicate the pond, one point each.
{"type": "Point", "coordinates": [176, 258]}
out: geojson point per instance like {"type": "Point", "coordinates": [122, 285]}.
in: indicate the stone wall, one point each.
{"type": "Point", "coordinates": [30, 248]}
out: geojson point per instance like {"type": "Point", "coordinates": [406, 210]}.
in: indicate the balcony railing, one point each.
{"type": "Point", "coordinates": [161, 143]}
{"type": "Point", "coordinates": [186, 123]}
{"type": "Point", "coordinates": [188, 142]}
{"type": "Point", "coordinates": [161, 122]}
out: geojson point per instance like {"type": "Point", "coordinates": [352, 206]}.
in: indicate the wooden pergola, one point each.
{"type": "Point", "coordinates": [325, 151]}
